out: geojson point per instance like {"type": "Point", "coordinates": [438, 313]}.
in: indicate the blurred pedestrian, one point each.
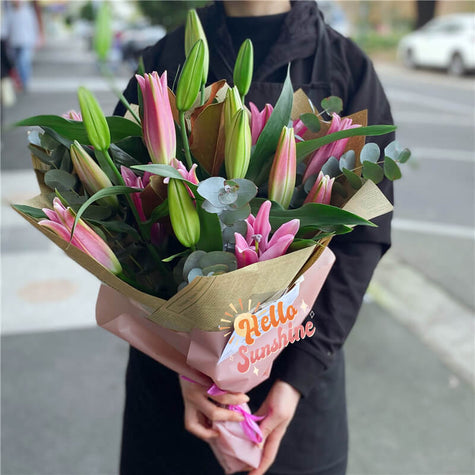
{"type": "Point", "coordinates": [305, 427]}
{"type": "Point", "coordinates": [24, 24]}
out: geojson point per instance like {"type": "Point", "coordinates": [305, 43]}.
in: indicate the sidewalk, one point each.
{"type": "Point", "coordinates": [410, 405]}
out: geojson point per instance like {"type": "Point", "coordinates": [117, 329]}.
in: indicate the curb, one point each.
{"type": "Point", "coordinates": [443, 324]}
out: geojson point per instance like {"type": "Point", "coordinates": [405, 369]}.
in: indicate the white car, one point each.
{"type": "Point", "coordinates": [446, 42]}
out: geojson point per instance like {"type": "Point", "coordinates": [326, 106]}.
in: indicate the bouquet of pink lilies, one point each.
{"type": "Point", "coordinates": [192, 203]}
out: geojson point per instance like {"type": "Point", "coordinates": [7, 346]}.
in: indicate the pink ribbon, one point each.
{"type": "Point", "coordinates": [249, 424]}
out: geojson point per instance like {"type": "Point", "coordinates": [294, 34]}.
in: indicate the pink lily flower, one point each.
{"type": "Point", "coordinates": [187, 175]}
{"type": "Point", "coordinates": [259, 120]}
{"type": "Point", "coordinates": [284, 169]}
{"type": "Point", "coordinates": [158, 125]}
{"type": "Point", "coordinates": [334, 149]}
{"type": "Point", "coordinates": [321, 191]}
{"type": "Point", "coordinates": [134, 181]}
{"type": "Point", "coordinates": [60, 221]}
{"type": "Point", "coordinates": [72, 115]}
{"type": "Point", "coordinates": [257, 247]}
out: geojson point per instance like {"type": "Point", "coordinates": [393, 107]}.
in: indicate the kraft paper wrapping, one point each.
{"type": "Point", "coordinates": [196, 354]}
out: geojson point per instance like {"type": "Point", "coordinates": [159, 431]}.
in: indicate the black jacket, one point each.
{"type": "Point", "coordinates": [323, 63]}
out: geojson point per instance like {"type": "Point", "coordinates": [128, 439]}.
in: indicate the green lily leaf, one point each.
{"type": "Point", "coordinates": [210, 234]}
{"type": "Point", "coordinates": [159, 212]}
{"type": "Point", "coordinates": [372, 171]}
{"type": "Point", "coordinates": [310, 214]}
{"type": "Point", "coordinates": [298, 244]}
{"type": "Point", "coordinates": [30, 211]}
{"type": "Point", "coordinates": [324, 231]}
{"type": "Point", "coordinates": [262, 155]}
{"type": "Point", "coordinates": [179, 254]}
{"type": "Point", "coordinates": [159, 169]}
{"type": "Point", "coordinates": [119, 127]}
{"type": "Point", "coordinates": [353, 178]}
{"type": "Point", "coordinates": [111, 191]}
{"type": "Point", "coordinates": [391, 169]}
{"type": "Point", "coordinates": [309, 146]}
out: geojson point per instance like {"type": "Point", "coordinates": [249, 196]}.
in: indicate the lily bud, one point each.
{"type": "Point", "coordinates": [91, 174]}
{"type": "Point", "coordinates": [94, 120]}
{"type": "Point", "coordinates": [237, 150]}
{"type": "Point", "coordinates": [157, 124]}
{"type": "Point", "coordinates": [243, 68]}
{"type": "Point", "coordinates": [231, 105]}
{"type": "Point", "coordinates": [183, 215]}
{"type": "Point", "coordinates": [283, 171]}
{"type": "Point", "coordinates": [321, 191]}
{"type": "Point", "coordinates": [191, 76]}
{"type": "Point", "coordinates": [194, 32]}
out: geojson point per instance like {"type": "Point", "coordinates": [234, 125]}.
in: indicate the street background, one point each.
{"type": "Point", "coordinates": [410, 357]}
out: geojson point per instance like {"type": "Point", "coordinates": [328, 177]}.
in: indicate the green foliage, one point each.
{"type": "Point", "coordinates": [169, 14]}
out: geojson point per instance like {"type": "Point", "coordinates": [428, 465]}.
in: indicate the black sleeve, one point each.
{"type": "Point", "coordinates": [357, 253]}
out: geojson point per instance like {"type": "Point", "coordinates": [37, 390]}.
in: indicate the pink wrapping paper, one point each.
{"type": "Point", "coordinates": [196, 354]}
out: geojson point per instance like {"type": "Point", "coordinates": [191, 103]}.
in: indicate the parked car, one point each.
{"type": "Point", "coordinates": [446, 42]}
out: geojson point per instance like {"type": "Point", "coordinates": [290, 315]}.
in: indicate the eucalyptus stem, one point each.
{"type": "Point", "coordinates": [184, 136]}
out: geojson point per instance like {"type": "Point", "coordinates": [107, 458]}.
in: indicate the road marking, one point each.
{"type": "Point", "coordinates": [422, 153]}
{"type": "Point", "coordinates": [439, 229]}
{"type": "Point", "coordinates": [98, 84]}
{"type": "Point", "coordinates": [448, 121]}
{"type": "Point", "coordinates": [430, 101]}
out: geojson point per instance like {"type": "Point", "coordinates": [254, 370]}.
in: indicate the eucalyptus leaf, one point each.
{"type": "Point", "coordinates": [353, 179]}
{"type": "Point", "coordinates": [391, 169]}
{"type": "Point", "coordinates": [332, 105]}
{"type": "Point", "coordinates": [43, 155]}
{"type": "Point", "coordinates": [192, 261]}
{"type": "Point", "coordinates": [404, 156]}
{"type": "Point", "coordinates": [261, 158]}
{"type": "Point", "coordinates": [309, 146]}
{"type": "Point", "coordinates": [229, 217]}
{"type": "Point", "coordinates": [30, 211]}
{"type": "Point", "coordinates": [370, 152]}
{"type": "Point", "coordinates": [347, 160]}
{"type": "Point", "coordinates": [393, 150]}
{"type": "Point", "coordinates": [117, 227]}
{"type": "Point", "coordinates": [372, 171]}
{"type": "Point", "coordinates": [59, 179]}
{"type": "Point", "coordinates": [311, 121]}
{"type": "Point", "coordinates": [331, 167]}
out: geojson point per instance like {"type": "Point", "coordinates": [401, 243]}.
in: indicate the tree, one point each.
{"type": "Point", "coordinates": [169, 14]}
{"type": "Point", "coordinates": [425, 12]}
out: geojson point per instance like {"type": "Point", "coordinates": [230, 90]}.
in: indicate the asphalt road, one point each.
{"type": "Point", "coordinates": [435, 203]}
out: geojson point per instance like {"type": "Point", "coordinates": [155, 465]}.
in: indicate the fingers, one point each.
{"type": "Point", "coordinates": [231, 399]}
{"type": "Point", "coordinates": [196, 424]}
{"type": "Point", "coordinates": [269, 453]}
{"type": "Point", "coordinates": [216, 413]}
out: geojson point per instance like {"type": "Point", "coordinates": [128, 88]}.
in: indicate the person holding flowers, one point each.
{"type": "Point", "coordinates": [303, 402]}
